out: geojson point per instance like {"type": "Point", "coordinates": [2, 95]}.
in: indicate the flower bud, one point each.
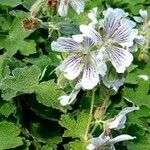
{"type": "Point", "coordinates": [31, 24]}
{"type": "Point", "coordinates": [143, 57]}
{"type": "Point", "coordinates": [52, 3]}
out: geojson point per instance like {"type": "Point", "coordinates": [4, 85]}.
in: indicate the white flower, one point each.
{"type": "Point", "coordinates": [85, 61]}
{"type": "Point", "coordinates": [139, 40]}
{"type": "Point", "coordinates": [114, 84]}
{"type": "Point", "coordinates": [93, 17]}
{"type": "Point", "coordinates": [77, 5]}
{"type": "Point", "coordinates": [143, 16]}
{"type": "Point", "coordinates": [106, 142]}
{"type": "Point", "coordinates": [66, 100]}
{"type": "Point", "coordinates": [117, 35]}
{"type": "Point", "coordinates": [119, 121]}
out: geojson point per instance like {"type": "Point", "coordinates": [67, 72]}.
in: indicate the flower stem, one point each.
{"type": "Point", "coordinates": [90, 115]}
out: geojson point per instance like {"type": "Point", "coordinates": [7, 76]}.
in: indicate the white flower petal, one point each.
{"type": "Point", "coordinates": [63, 8]}
{"type": "Point", "coordinates": [115, 84]}
{"type": "Point", "coordinates": [138, 19]}
{"type": "Point", "coordinates": [112, 21]}
{"type": "Point", "coordinates": [67, 100]}
{"type": "Point", "coordinates": [128, 110]}
{"type": "Point", "coordinates": [88, 43]}
{"type": "Point", "coordinates": [78, 5]}
{"type": "Point", "coordinates": [100, 140]}
{"type": "Point", "coordinates": [120, 138]}
{"type": "Point", "coordinates": [91, 147]}
{"type": "Point", "coordinates": [64, 100]}
{"type": "Point", "coordinates": [90, 32]}
{"type": "Point", "coordinates": [118, 122]}
{"type": "Point", "coordinates": [140, 39]}
{"type": "Point", "coordinates": [90, 76]}
{"type": "Point", "coordinates": [144, 77]}
{"type": "Point", "coordinates": [72, 67]}
{"type": "Point", "coordinates": [125, 35]}
{"type": "Point", "coordinates": [98, 56]}
{"type": "Point", "coordinates": [143, 14]}
{"type": "Point", "coordinates": [78, 38]}
{"type": "Point", "coordinates": [65, 45]}
{"type": "Point", "coordinates": [120, 58]}
{"type": "Point", "coordinates": [92, 16]}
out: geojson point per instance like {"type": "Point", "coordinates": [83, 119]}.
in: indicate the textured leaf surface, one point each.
{"type": "Point", "coordinates": [75, 127]}
{"type": "Point", "coordinates": [23, 80]}
{"type": "Point", "coordinates": [9, 136]}
{"type": "Point", "coordinates": [48, 93]}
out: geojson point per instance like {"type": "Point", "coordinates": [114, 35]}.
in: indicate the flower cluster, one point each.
{"type": "Point", "coordinates": [105, 141]}
{"type": "Point", "coordinates": [100, 42]}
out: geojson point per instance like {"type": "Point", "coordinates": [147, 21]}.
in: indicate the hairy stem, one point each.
{"type": "Point", "coordinates": [90, 115]}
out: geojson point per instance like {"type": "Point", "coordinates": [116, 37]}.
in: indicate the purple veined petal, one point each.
{"type": "Point", "coordinates": [140, 39]}
{"type": "Point", "coordinates": [99, 57]}
{"type": "Point", "coordinates": [88, 42]}
{"type": "Point", "coordinates": [78, 5]}
{"type": "Point", "coordinates": [72, 67]}
{"type": "Point", "coordinates": [90, 32]}
{"type": "Point", "coordinates": [120, 58]}
{"type": "Point", "coordinates": [125, 35]}
{"type": "Point", "coordinates": [112, 22]}
{"type": "Point", "coordinates": [63, 8]}
{"type": "Point", "coordinates": [120, 138]}
{"type": "Point", "coordinates": [66, 45]}
{"type": "Point", "coordinates": [90, 76]}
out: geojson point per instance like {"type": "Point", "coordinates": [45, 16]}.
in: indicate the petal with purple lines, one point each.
{"type": "Point", "coordinates": [112, 22]}
{"type": "Point", "coordinates": [63, 8]}
{"type": "Point", "coordinates": [90, 32]}
{"type": "Point", "coordinates": [90, 76]}
{"type": "Point", "coordinates": [125, 35]}
{"type": "Point", "coordinates": [120, 58]}
{"type": "Point", "coordinates": [72, 67]}
{"type": "Point", "coordinates": [65, 45]}
{"type": "Point", "coordinates": [78, 5]}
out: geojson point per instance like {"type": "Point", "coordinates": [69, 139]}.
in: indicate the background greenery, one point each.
{"type": "Point", "coordinates": [31, 117]}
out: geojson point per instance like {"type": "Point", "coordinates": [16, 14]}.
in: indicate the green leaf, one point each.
{"type": "Point", "coordinates": [47, 93]}
{"type": "Point", "coordinates": [23, 80]}
{"type": "Point", "coordinates": [4, 69]}
{"type": "Point", "coordinates": [41, 61]}
{"type": "Point", "coordinates": [142, 144]}
{"type": "Point", "coordinates": [46, 132]}
{"type": "Point", "coordinates": [139, 95]}
{"type": "Point", "coordinates": [46, 147]}
{"type": "Point", "coordinates": [10, 3]}
{"type": "Point", "coordinates": [7, 108]}
{"type": "Point", "coordinates": [76, 145]}
{"type": "Point", "coordinates": [9, 136]}
{"type": "Point", "coordinates": [75, 127]}
{"type": "Point", "coordinates": [16, 39]}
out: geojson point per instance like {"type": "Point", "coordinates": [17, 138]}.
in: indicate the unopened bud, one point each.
{"type": "Point", "coordinates": [31, 24]}
{"type": "Point", "coordinates": [143, 57]}
{"type": "Point", "coordinates": [52, 3]}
